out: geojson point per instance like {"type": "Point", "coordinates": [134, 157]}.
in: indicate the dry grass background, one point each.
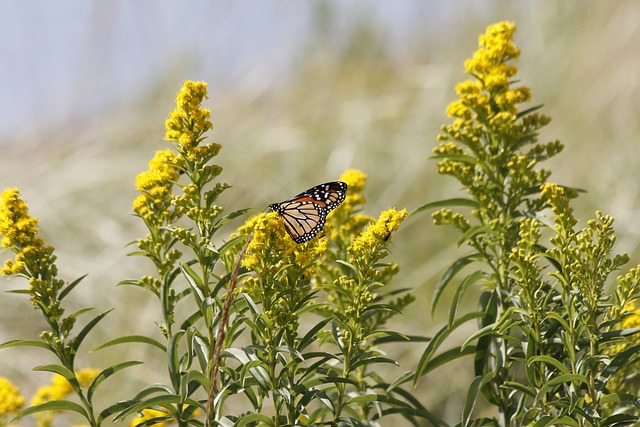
{"type": "Point", "coordinates": [350, 98]}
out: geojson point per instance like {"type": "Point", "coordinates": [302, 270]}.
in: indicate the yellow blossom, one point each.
{"type": "Point", "coordinates": [11, 401]}
{"type": "Point", "coordinates": [162, 171]}
{"type": "Point", "coordinates": [377, 233]}
{"type": "Point", "coordinates": [632, 320]}
{"type": "Point", "coordinates": [269, 235]}
{"type": "Point", "coordinates": [155, 186]}
{"type": "Point", "coordinates": [18, 229]}
{"type": "Point", "coordinates": [356, 181]}
{"type": "Point", "coordinates": [188, 122]}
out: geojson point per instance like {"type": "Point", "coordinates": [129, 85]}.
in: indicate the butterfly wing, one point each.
{"type": "Point", "coordinates": [305, 214]}
{"type": "Point", "coordinates": [302, 220]}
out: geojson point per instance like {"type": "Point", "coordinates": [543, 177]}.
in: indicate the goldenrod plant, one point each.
{"type": "Point", "coordinates": [553, 347]}
{"type": "Point", "coordinates": [257, 330]}
{"type": "Point", "coordinates": [36, 263]}
{"type": "Point", "coordinates": [275, 332]}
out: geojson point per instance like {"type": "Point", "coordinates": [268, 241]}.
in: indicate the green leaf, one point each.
{"type": "Point", "coordinates": [310, 337]}
{"type": "Point", "coordinates": [70, 287]}
{"type": "Point", "coordinates": [451, 272]}
{"type": "Point", "coordinates": [55, 405]}
{"type": "Point", "coordinates": [556, 421]}
{"type": "Point", "coordinates": [472, 397]}
{"type": "Point", "coordinates": [260, 420]}
{"type": "Point", "coordinates": [27, 343]}
{"type": "Point", "coordinates": [19, 291]}
{"type": "Point", "coordinates": [529, 110]}
{"type": "Point", "coordinates": [447, 203]}
{"type": "Point", "coordinates": [198, 377]}
{"type": "Point", "coordinates": [195, 282]}
{"type": "Point", "coordinates": [335, 333]}
{"type": "Point", "coordinates": [371, 360]}
{"type": "Point", "coordinates": [528, 391]}
{"type": "Point", "coordinates": [132, 339]}
{"type": "Point", "coordinates": [115, 408]}
{"type": "Point", "coordinates": [364, 398]}
{"type": "Point", "coordinates": [106, 373]}
{"type": "Point", "coordinates": [75, 344]}
{"type": "Point", "coordinates": [173, 359]}
{"type": "Point", "coordinates": [231, 216]}
{"type": "Point", "coordinates": [447, 356]}
{"type": "Point", "coordinates": [487, 330]}
{"type": "Point", "coordinates": [404, 378]}
{"type": "Point", "coordinates": [472, 232]}
{"type": "Point", "coordinates": [619, 420]}
{"type": "Point", "coordinates": [462, 288]}
{"type": "Point", "coordinates": [551, 385]}
{"type": "Point", "coordinates": [165, 401]}
{"type": "Point", "coordinates": [437, 340]}
{"type": "Point", "coordinates": [58, 369]}
{"type": "Point", "coordinates": [550, 361]}
{"type": "Point", "coordinates": [624, 358]}
{"type": "Point", "coordinates": [384, 337]}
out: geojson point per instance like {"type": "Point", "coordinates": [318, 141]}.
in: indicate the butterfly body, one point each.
{"type": "Point", "coordinates": [305, 214]}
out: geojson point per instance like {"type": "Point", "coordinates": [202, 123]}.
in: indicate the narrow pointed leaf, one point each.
{"type": "Point", "coordinates": [132, 339]}
{"type": "Point", "coordinates": [70, 287]}
{"type": "Point", "coordinates": [85, 331]}
{"type": "Point", "coordinates": [26, 343]}
{"type": "Point", "coordinates": [447, 203]}
{"type": "Point", "coordinates": [54, 405]}
{"type": "Point", "coordinates": [451, 272]}
{"type": "Point", "coordinates": [106, 373]}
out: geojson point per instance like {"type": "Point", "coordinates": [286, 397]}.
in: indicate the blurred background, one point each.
{"type": "Point", "coordinates": [299, 92]}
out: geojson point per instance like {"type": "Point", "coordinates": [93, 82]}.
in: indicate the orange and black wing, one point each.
{"type": "Point", "coordinates": [305, 214]}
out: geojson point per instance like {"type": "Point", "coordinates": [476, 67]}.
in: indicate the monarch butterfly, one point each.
{"type": "Point", "coordinates": [305, 214]}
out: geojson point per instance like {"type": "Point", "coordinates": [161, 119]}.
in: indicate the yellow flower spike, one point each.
{"type": "Point", "coordinates": [357, 181]}
{"type": "Point", "coordinates": [155, 185]}
{"type": "Point", "coordinates": [18, 229]}
{"type": "Point", "coordinates": [377, 233]}
{"type": "Point", "coordinates": [269, 238]}
{"type": "Point", "coordinates": [11, 401]}
{"type": "Point", "coordinates": [188, 122]}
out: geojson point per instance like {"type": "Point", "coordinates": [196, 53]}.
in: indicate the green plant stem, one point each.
{"type": "Point", "coordinates": [215, 367]}
{"type": "Point", "coordinates": [274, 383]}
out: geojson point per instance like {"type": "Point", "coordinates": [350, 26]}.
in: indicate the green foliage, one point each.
{"type": "Point", "coordinates": [550, 338]}
{"type": "Point", "coordinates": [257, 330]}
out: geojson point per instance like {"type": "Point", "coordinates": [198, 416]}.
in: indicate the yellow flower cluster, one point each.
{"type": "Point", "coordinates": [280, 264]}
{"type": "Point", "coordinates": [18, 229]}
{"type": "Point", "coordinates": [269, 235]}
{"type": "Point", "coordinates": [11, 401]}
{"type": "Point", "coordinates": [345, 222]}
{"type": "Point", "coordinates": [489, 65]}
{"type": "Point", "coordinates": [20, 233]}
{"type": "Point", "coordinates": [270, 245]}
{"type": "Point", "coordinates": [489, 99]}
{"type": "Point", "coordinates": [155, 185]}
{"type": "Point", "coordinates": [632, 320]}
{"type": "Point", "coordinates": [188, 122]}
{"type": "Point", "coordinates": [377, 233]}
{"type": "Point", "coordinates": [356, 180]}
